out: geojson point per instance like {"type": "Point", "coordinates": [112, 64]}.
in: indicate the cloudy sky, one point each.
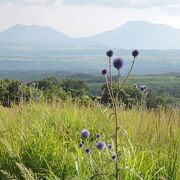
{"type": "Point", "coordinates": [78, 18]}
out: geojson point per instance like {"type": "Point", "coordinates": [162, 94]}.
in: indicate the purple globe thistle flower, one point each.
{"type": "Point", "coordinates": [85, 133]}
{"type": "Point", "coordinates": [118, 63]}
{"type": "Point", "coordinates": [98, 136]}
{"type": "Point", "coordinates": [135, 53]}
{"type": "Point", "coordinates": [114, 157]}
{"type": "Point", "coordinates": [100, 145]}
{"type": "Point", "coordinates": [142, 88]}
{"type": "Point", "coordinates": [88, 151]}
{"type": "Point", "coordinates": [110, 146]}
{"type": "Point", "coordinates": [80, 145]}
{"type": "Point", "coordinates": [109, 53]}
{"type": "Point", "coordinates": [104, 72]}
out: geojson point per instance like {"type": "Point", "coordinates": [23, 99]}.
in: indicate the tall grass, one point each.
{"type": "Point", "coordinates": [40, 141]}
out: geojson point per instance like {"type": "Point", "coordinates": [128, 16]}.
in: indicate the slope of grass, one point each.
{"type": "Point", "coordinates": [40, 141]}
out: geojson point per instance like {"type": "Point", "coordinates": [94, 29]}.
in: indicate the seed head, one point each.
{"type": "Point", "coordinates": [109, 53]}
{"type": "Point", "coordinates": [104, 72]}
{"type": "Point", "coordinates": [85, 133]}
{"type": "Point", "coordinates": [135, 53]}
{"type": "Point", "coordinates": [100, 145]}
{"type": "Point", "coordinates": [118, 63]}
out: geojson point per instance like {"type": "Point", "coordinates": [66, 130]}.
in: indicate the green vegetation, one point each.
{"type": "Point", "coordinates": [159, 94]}
{"type": "Point", "coordinates": [166, 86]}
{"type": "Point", "coordinates": [40, 141]}
{"type": "Point", "coordinates": [49, 127]}
{"type": "Point", "coordinates": [14, 91]}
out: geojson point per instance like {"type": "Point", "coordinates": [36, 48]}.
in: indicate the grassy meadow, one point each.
{"type": "Point", "coordinates": [40, 141]}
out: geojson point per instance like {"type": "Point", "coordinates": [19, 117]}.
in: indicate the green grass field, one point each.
{"type": "Point", "coordinates": [40, 141]}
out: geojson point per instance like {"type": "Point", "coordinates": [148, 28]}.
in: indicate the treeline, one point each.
{"type": "Point", "coordinates": [15, 92]}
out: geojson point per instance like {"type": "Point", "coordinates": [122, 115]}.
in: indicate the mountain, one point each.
{"type": "Point", "coordinates": [133, 34]}
{"type": "Point", "coordinates": [141, 35]}
{"type": "Point", "coordinates": [33, 34]}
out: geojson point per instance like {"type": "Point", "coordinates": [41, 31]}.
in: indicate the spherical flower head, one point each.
{"type": "Point", "coordinates": [118, 63]}
{"type": "Point", "coordinates": [114, 157]}
{"type": "Point", "coordinates": [109, 53]}
{"type": "Point", "coordinates": [142, 88]}
{"type": "Point", "coordinates": [88, 151]}
{"type": "Point", "coordinates": [98, 136]}
{"type": "Point", "coordinates": [80, 145]}
{"type": "Point", "coordinates": [100, 145]}
{"type": "Point", "coordinates": [85, 133]}
{"type": "Point", "coordinates": [104, 72]}
{"type": "Point", "coordinates": [110, 146]}
{"type": "Point", "coordinates": [135, 53]}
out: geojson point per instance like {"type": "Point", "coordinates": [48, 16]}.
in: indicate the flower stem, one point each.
{"type": "Point", "coordinates": [127, 77]}
{"type": "Point", "coordinates": [102, 161]}
{"type": "Point", "coordinates": [116, 128]}
{"type": "Point", "coordinates": [118, 79]}
{"type": "Point", "coordinates": [110, 74]}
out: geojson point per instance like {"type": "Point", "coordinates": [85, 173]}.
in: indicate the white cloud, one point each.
{"type": "Point", "coordinates": [125, 3]}
{"type": "Point", "coordinates": [173, 9]}
{"type": "Point", "coordinates": [32, 2]}
{"type": "Point", "coordinates": [77, 20]}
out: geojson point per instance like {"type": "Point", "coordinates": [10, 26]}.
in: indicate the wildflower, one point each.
{"type": "Point", "coordinates": [100, 145]}
{"type": "Point", "coordinates": [88, 151]}
{"type": "Point", "coordinates": [118, 63]}
{"type": "Point", "coordinates": [85, 133]}
{"type": "Point", "coordinates": [104, 72]}
{"type": "Point", "coordinates": [135, 53]}
{"type": "Point", "coordinates": [80, 145]}
{"type": "Point", "coordinates": [143, 88]}
{"type": "Point", "coordinates": [114, 157]}
{"type": "Point", "coordinates": [109, 53]}
{"type": "Point", "coordinates": [98, 136]}
{"type": "Point", "coordinates": [110, 146]}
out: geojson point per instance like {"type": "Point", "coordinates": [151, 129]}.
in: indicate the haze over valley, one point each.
{"type": "Point", "coordinates": [36, 48]}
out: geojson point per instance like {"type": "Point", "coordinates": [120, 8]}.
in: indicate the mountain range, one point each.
{"type": "Point", "coordinates": [133, 34]}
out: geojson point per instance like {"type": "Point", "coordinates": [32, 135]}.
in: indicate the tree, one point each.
{"type": "Point", "coordinates": [10, 92]}
{"type": "Point", "coordinates": [75, 86]}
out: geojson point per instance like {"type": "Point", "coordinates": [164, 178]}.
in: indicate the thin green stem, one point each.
{"type": "Point", "coordinates": [116, 128]}
{"type": "Point", "coordinates": [102, 161]}
{"type": "Point", "coordinates": [110, 73]}
{"type": "Point", "coordinates": [118, 79]}
{"type": "Point", "coordinates": [127, 77]}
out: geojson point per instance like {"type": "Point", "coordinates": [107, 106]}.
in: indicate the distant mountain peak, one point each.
{"type": "Point", "coordinates": [32, 34]}
{"type": "Point", "coordinates": [133, 34]}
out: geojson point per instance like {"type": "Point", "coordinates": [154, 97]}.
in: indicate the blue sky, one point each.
{"type": "Point", "coordinates": [79, 18]}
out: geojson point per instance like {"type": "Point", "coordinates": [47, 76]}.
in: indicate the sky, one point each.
{"type": "Point", "coordinates": [80, 18]}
